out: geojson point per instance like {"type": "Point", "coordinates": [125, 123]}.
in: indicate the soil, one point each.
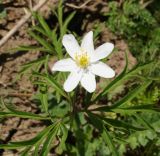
{"type": "Point", "coordinates": [19, 91]}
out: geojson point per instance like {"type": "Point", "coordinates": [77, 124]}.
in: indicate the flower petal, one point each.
{"type": "Point", "coordinates": [72, 81]}
{"type": "Point", "coordinates": [65, 65]}
{"type": "Point", "coordinates": [102, 51]}
{"type": "Point", "coordinates": [88, 81]}
{"type": "Point", "coordinates": [71, 45]}
{"type": "Point", "coordinates": [101, 69]}
{"type": "Point", "coordinates": [87, 43]}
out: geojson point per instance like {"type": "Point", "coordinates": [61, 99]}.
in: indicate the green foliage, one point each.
{"type": "Point", "coordinates": [139, 26]}
{"type": "Point", "coordinates": [136, 24]}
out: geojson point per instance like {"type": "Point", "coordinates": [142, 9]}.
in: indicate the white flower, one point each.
{"type": "Point", "coordinates": [84, 63]}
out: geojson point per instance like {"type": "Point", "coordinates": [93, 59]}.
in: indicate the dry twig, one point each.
{"type": "Point", "coordinates": [21, 22]}
{"type": "Point", "coordinates": [17, 94]}
{"type": "Point", "coordinates": [78, 7]}
{"type": "Point", "coordinates": [31, 8]}
{"type": "Point", "coordinates": [144, 5]}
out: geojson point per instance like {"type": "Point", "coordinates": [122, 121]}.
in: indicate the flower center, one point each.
{"type": "Point", "coordinates": [82, 60]}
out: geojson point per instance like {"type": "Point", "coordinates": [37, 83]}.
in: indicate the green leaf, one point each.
{"type": "Point", "coordinates": [32, 63]}
{"type": "Point", "coordinates": [37, 148]}
{"type": "Point", "coordinates": [40, 30]}
{"type": "Point", "coordinates": [142, 139]}
{"type": "Point", "coordinates": [120, 124]}
{"type": "Point", "coordinates": [126, 98]}
{"type": "Point", "coordinates": [42, 41]}
{"type": "Point", "coordinates": [132, 110]}
{"type": "Point", "coordinates": [54, 37]}
{"type": "Point", "coordinates": [122, 77]}
{"type": "Point", "coordinates": [19, 144]}
{"type": "Point", "coordinates": [144, 122]}
{"type": "Point", "coordinates": [57, 44]}
{"type": "Point", "coordinates": [129, 110]}
{"type": "Point", "coordinates": [37, 145]}
{"type": "Point", "coordinates": [25, 151]}
{"type": "Point", "coordinates": [26, 48]}
{"type": "Point", "coordinates": [65, 25]}
{"type": "Point", "coordinates": [24, 115]}
{"type": "Point", "coordinates": [46, 66]}
{"type": "Point", "coordinates": [56, 86]}
{"type": "Point", "coordinates": [48, 141]}
{"type": "Point", "coordinates": [133, 93]}
{"type": "Point", "coordinates": [53, 83]}
{"type": "Point", "coordinates": [44, 101]}
{"type": "Point", "coordinates": [44, 24]}
{"type": "Point", "coordinates": [62, 145]}
{"type": "Point", "coordinates": [140, 67]}
{"type": "Point", "coordinates": [95, 121]}
{"type": "Point", "coordinates": [31, 48]}
{"type": "Point", "coordinates": [107, 138]}
{"type": "Point", "coordinates": [12, 112]}
{"type": "Point", "coordinates": [133, 142]}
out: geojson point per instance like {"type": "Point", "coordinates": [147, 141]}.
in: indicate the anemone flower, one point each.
{"type": "Point", "coordinates": [84, 63]}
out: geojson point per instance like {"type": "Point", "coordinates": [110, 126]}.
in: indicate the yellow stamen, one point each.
{"type": "Point", "coordinates": [82, 60]}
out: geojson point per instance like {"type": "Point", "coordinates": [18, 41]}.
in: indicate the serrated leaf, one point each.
{"type": "Point", "coordinates": [151, 134]}
{"type": "Point", "coordinates": [142, 139]}
{"type": "Point", "coordinates": [133, 142]}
